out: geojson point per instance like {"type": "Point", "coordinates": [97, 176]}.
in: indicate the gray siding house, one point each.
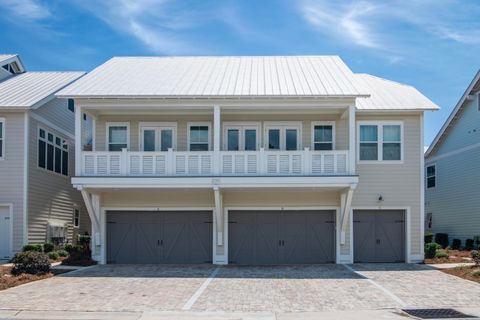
{"type": "Point", "coordinates": [249, 160]}
{"type": "Point", "coordinates": [452, 171]}
{"type": "Point", "coordinates": [37, 158]}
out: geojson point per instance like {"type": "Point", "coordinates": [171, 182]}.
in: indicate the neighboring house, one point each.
{"type": "Point", "coordinates": [452, 171]}
{"type": "Point", "coordinates": [37, 201]}
{"type": "Point", "coordinates": [249, 160]}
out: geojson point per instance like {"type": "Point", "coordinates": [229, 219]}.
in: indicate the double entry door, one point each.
{"type": "Point", "coordinates": [267, 237]}
{"type": "Point", "coordinates": [157, 137]}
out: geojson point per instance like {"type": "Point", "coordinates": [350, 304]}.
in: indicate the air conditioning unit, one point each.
{"type": "Point", "coordinates": [57, 231]}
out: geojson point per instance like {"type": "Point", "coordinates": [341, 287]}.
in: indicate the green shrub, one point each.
{"type": "Point", "coordinates": [442, 239]}
{"type": "Point", "coordinates": [441, 254]}
{"type": "Point", "coordinates": [62, 253]}
{"type": "Point", "coordinates": [456, 244]}
{"type": "Point", "coordinates": [428, 238]}
{"type": "Point", "coordinates": [431, 249]}
{"type": "Point", "coordinates": [476, 273]}
{"type": "Point", "coordinates": [475, 257]}
{"type": "Point", "coordinates": [31, 262]}
{"type": "Point", "coordinates": [469, 244]}
{"type": "Point", "coordinates": [69, 247]}
{"type": "Point", "coordinates": [33, 247]}
{"type": "Point", "coordinates": [53, 255]}
{"type": "Point", "coordinates": [84, 240]}
{"type": "Point", "coordinates": [48, 247]}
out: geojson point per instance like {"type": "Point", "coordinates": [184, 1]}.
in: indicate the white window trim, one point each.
{"type": "Point", "coordinates": [116, 124]}
{"type": "Point", "coordinates": [426, 175]}
{"type": "Point", "coordinates": [380, 125]}
{"type": "Point", "coordinates": [241, 126]}
{"type": "Point", "coordinates": [46, 141]}
{"type": "Point", "coordinates": [282, 125]}
{"type": "Point", "coordinates": [75, 208]}
{"type": "Point", "coordinates": [203, 124]}
{"type": "Point", "coordinates": [322, 123]}
{"type": "Point", "coordinates": [4, 149]}
{"type": "Point", "coordinates": [157, 125]}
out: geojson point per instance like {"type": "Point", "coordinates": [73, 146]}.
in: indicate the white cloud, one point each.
{"type": "Point", "coordinates": [378, 25]}
{"type": "Point", "coordinates": [149, 21]}
{"type": "Point", "coordinates": [29, 9]}
{"type": "Point", "coordinates": [348, 21]}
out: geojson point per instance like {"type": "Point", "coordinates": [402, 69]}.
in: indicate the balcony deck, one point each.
{"type": "Point", "coordinates": [210, 163]}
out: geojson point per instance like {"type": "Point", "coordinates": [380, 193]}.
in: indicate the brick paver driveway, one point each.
{"type": "Point", "coordinates": [230, 288]}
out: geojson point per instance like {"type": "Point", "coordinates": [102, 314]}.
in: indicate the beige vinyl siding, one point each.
{"type": "Point", "coordinates": [51, 195]}
{"type": "Point", "coordinates": [12, 173]}
{"type": "Point", "coordinates": [341, 131]}
{"type": "Point", "coordinates": [398, 184]}
{"type": "Point", "coordinates": [56, 111]}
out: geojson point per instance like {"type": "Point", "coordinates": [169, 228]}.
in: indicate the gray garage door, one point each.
{"type": "Point", "coordinates": [379, 235]}
{"type": "Point", "coordinates": [281, 237]}
{"type": "Point", "coordinates": [159, 237]}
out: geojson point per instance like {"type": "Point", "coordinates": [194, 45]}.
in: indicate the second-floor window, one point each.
{"type": "Point", "coordinates": [431, 176]}
{"type": "Point", "coordinates": [52, 152]}
{"type": "Point", "coordinates": [117, 136]}
{"type": "Point", "coordinates": [282, 136]}
{"type": "Point", "coordinates": [241, 137]}
{"type": "Point", "coordinates": [199, 137]}
{"type": "Point", "coordinates": [380, 142]}
{"type": "Point", "coordinates": [323, 136]}
{"type": "Point", "coordinates": [2, 138]}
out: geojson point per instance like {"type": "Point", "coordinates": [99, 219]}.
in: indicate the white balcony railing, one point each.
{"type": "Point", "coordinates": [210, 163]}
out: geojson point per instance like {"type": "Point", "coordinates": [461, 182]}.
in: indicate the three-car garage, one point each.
{"type": "Point", "coordinates": [253, 236]}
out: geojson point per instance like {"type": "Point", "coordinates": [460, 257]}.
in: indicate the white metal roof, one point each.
{"type": "Point", "coordinates": [474, 86]}
{"type": "Point", "coordinates": [4, 57]}
{"type": "Point", "coordinates": [386, 94]}
{"type": "Point", "coordinates": [274, 76]}
{"type": "Point", "coordinates": [28, 89]}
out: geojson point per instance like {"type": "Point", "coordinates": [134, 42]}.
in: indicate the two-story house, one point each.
{"type": "Point", "coordinates": [37, 200]}
{"type": "Point", "coordinates": [249, 160]}
{"type": "Point", "coordinates": [452, 175]}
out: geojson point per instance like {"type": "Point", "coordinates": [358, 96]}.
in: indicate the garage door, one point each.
{"type": "Point", "coordinates": [379, 235]}
{"type": "Point", "coordinates": [281, 237]}
{"type": "Point", "coordinates": [159, 237]}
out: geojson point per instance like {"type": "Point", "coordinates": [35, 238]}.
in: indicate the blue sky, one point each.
{"type": "Point", "coordinates": [431, 44]}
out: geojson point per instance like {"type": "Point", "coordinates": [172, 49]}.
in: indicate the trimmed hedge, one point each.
{"type": "Point", "coordinates": [442, 239]}
{"type": "Point", "coordinates": [469, 243]}
{"type": "Point", "coordinates": [53, 255]}
{"type": "Point", "coordinates": [440, 254]}
{"type": "Point", "coordinates": [37, 247]}
{"type": "Point", "coordinates": [31, 262]}
{"type": "Point", "coordinates": [48, 247]}
{"type": "Point", "coordinates": [62, 253]}
{"type": "Point", "coordinates": [456, 244]}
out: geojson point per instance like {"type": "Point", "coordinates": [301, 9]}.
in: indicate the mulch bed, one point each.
{"type": "Point", "coordinates": [454, 256]}
{"type": "Point", "coordinates": [7, 280]}
{"type": "Point", "coordinates": [466, 272]}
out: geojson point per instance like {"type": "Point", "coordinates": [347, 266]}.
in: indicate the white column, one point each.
{"type": "Point", "coordinates": [78, 140]}
{"type": "Point", "coordinates": [351, 140]}
{"type": "Point", "coordinates": [216, 139]}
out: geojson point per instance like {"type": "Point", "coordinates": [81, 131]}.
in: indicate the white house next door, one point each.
{"type": "Point", "coordinates": [5, 233]}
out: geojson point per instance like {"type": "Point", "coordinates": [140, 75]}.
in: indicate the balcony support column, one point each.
{"type": "Point", "coordinates": [345, 208]}
{"type": "Point", "coordinates": [78, 140]}
{"type": "Point", "coordinates": [216, 139]}
{"type": "Point", "coordinates": [219, 225]}
{"type": "Point", "coordinates": [351, 140]}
